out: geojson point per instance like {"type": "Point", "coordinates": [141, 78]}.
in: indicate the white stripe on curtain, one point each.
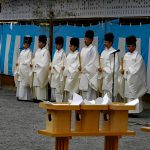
{"type": "Point", "coordinates": [122, 47]}
{"type": "Point", "coordinates": [35, 44]}
{"type": "Point", "coordinates": [16, 51]}
{"type": "Point", "coordinates": [138, 45]}
{"type": "Point", "coordinates": [8, 41]}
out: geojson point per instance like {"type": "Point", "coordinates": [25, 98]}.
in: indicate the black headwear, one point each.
{"type": "Point", "coordinates": [59, 40]}
{"type": "Point", "coordinates": [28, 40]}
{"type": "Point", "coordinates": [109, 37]}
{"type": "Point", "coordinates": [43, 38]}
{"type": "Point", "coordinates": [89, 34]}
{"type": "Point", "coordinates": [131, 40]}
{"type": "Point", "coordinates": [75, 42]}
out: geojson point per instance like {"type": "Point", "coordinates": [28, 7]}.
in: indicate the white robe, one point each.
{"type": "Point", "coordinates": [89, 72]}
{"type": "Point", "coordinates": [135, 77]}
{"type": "Point", "coordinates": [40, 69]}
{"type": "Point", "coordinates": [22, 75]}
{"type": "Point", "coordinates": [16, 79]}
{"type": "Point", "coordinates": [57, 77]}
{"type": "Point", "coordinates": [72, 73]}
{"type": "Point", "coordinates": [107, 58]}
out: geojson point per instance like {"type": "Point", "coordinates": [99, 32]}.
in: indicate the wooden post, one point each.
{"type": "Point", "coordinates": [50, 46]}
{"type": "Point", "coordinates": [62, 143]}
{"type": "Point", "coordinates": [51, 33]}
{"type": "Point", "coordinates": [121, 62]}
{"type": "Point", "coordinates": [111, 142]}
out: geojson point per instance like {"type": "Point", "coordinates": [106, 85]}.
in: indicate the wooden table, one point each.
{"type": "Point", "coordinates": [110, 129]}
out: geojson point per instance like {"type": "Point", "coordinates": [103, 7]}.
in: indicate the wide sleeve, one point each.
{"type": "Point", "coordinates": [93, 61]}
{"type": "Point", "coordinates": [43, 68]}
{"type": "Point", "coordinates": [73, 68]}
{"type": "Point", "coordinates": [136, 66]}
{"type": "Point", "coordinates": [44, 60]}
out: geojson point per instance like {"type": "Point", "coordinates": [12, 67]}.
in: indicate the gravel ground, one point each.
{"type": "Point", "coordinates": [19, 122]}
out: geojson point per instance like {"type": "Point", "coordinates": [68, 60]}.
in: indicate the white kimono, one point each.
{"type": "Point", "coordinates": [22, 75]}
{"type": "Point", "coordinates": [135, 77]}
{"type": "Point", "coordinates": [57, 77]}
{"type": "Point", "coordinates": [16, 79]}
{"type": "Point", "coordinates": [40, 69]}
{"type": "Point", "coordinates": [89, 72]}
{"type": "Point", "coordinates": [71, 73]}
{"type": "Point", "coordinates": [107, 58]}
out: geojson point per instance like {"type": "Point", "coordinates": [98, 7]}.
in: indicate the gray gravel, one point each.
{"type": "Point", "coordinates": [19, 122]}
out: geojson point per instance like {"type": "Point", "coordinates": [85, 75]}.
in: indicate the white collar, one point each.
{"type": "Point", "coordinates": [59, 51]}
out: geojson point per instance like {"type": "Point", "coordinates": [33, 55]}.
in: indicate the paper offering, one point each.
{"type": "Point", "coordinates": [106, 100]}
{"type": "Point", "coordinates": [77, 99]}
{"type": "Point", "coordinates": [133, 102]}
{"type": "Point", "coordinates": [86, 102]}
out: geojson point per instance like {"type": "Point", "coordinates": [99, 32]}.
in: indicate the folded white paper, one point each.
{"type": "Point", "coordinates": [50, 103]}
{"type": "Point", "coordinates": [133, 102]}
{"type": "Point", "coordinates": [99, 101]}
{"type": "Point", "coordinates": [77, 99]}
{"type": "Point", "coordinates": [106, 100]}
{"type": "Point", "coordinates": [86, 102]}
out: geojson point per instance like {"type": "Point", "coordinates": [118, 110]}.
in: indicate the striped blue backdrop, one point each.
{"type": "Point", "coordinates": [12, 38]}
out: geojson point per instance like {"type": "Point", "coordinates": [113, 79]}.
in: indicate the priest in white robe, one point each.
{"type": "Point", "coordinates": [89, 57]}
{"type": "Point", "coordinates": [22, 70]}
{"type": "Point", "coordinates": [71, 71]}
{"type": "Point", "coordinates": [57, 69]}
{"type": "Point", "coordinates": [107, 67]}
{"type": "Point", "coordinates": [134, 74]}
{"type": "Point", "coordinates": [40, 69]}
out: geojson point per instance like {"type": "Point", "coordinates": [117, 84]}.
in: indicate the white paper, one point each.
{"type": "Point", "coordinates": [50, 103]}
{"type": "Point", "coordinates": [133, 102]}
{"type": "Point", "coordinates": [106, 100]}
{"type": "Point", "coordinates": [86, 102]}
{"type": "Point", "coordinates": [77, 99]}
{"type": "Point", "coordinates": [99, 101]}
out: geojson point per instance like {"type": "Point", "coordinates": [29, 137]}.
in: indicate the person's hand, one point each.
{"type": "Point", "coordinates": [31, 65]}
{"type": "Point", "coordinates": [79, 68]}
{"type": "Point", "coordinates": [63, 68]}
{"type": "Point", "coordinates": [122, 72]}
{"type": "Point", "coordinates": [100, 69]}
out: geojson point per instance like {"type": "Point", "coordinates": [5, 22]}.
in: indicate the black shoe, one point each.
{"type": "Point", "coordinates": [37, 101]}
{"type": "Point", "coordinates": [133, 116]}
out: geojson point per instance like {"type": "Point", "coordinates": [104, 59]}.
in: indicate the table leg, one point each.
{"type": "Point", "coordinates": [62, 143]}
{"type": "Point", "coordinates": [111, 142]}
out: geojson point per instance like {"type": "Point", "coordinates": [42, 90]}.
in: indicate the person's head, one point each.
{"type": "Point", "coordinates": [27, 42]}
{"type": "Point", "coordinates": [108, 40]}
{"type": "Point", "coordinates": [89, 35]}
{"type": "Point", "coordinates": [42, 41]}
{"type": "Point", "coordinates": [59, 41]}
{"type": "Point", "coordinates": [74, 44]}
{"type": "Point", "coordinates": [131, 43]}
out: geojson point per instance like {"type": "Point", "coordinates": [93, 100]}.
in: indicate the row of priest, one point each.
{"type": "Point", "coordinates": [85, 72]}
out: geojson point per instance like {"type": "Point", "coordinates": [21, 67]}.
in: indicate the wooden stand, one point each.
{"type": "Point", "coordinates": [88, 118]}
{"type": "Point", "coordinates": [145, 129]}
{"type": "Point", "coordinates": [116, 118]}
{"type": "Point", "coordinates": [114, 123]}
